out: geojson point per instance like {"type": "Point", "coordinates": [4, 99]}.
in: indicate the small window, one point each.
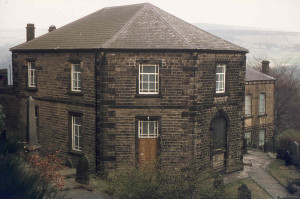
{"type": "Point", "coordinates": [248, 137]}
{"type": "Point", "coordinates": [220, 78]}
{"type": "Point", "coordinates": [148, 129]}
{"type": "Point", "coordinates": [248, 105]}
{"type": "Point", "coordinates": [76, 133]}
{"type": "Point", "coordinates": [261, 137]}
{"type": "Point", "coordinates": [148, 79]}
{"type": "Point", "coordinates": [31, 74]}
{"type": "Point", "coordinates": [76, 77]}
{"type": "Point", "coordinates": [262, 103]}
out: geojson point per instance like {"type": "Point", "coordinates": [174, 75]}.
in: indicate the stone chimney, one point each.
{"type": "Point", "coordinates": [265, 67]}
{"type": "Point", "coordinates": [30, 32]}
{"type": "Point", "coordinates": [51, 28]}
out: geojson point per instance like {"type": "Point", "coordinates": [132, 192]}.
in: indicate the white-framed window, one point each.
{"type": "Point", "coordinates": [148, 129]}
{"type": "Point", "coordinates": [76, 133]}
{"type": "Point", "coordinates": [76, 77]}
{"type": "Point", "coordinates": [248, 137]}
{"type": "Point", "coordinates": [220, 78]}
{"type": "Point", "coordinates": [247, 105]}
{"type": "Point", "coordinates": [31, 74]}
{"type": "Point", "coordinates": [262, 103]}
{"type": "Point", "coordinates": [148, 79]}
{"type": "Point", "coordinates": [261, 137]}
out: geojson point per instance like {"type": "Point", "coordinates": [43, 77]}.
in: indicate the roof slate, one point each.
{"type": "Point", "coordinates": [138, 26]}
{"type": "Point", "coordinates": [254, 75]}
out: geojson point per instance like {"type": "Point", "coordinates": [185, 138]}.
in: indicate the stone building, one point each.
{"type": "Point", "coordinates": [132, 84]}
{"type": "Point", "coordinates": [259, 106]}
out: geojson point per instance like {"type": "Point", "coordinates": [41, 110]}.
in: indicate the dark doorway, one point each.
{"type": "Point", "coordinates": [219, 143]}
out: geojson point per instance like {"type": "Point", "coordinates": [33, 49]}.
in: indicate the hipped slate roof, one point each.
{"type": "Point", "coordinates": [254, 75]}
{"type": "Point", "coordinates": [139, 26]}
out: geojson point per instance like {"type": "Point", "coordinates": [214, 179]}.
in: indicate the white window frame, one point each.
{"type": "Point", "coordinates": [248, 138]}
{"type": "Point", "coordinates": [156, 79]}
{"type": "Point", "coordinates": [261, 142]}
{"type": "Point", "coordinates": [248, 105]}
{"type": "Point", "coordinates": [77, 136]}
{"type": "Point", "coordinates": [31, 75]}
{"type": "Point", "coordinates": [75, 78]}
{"type": "Point", "coordinates": [149, 134]}
{"type": "Point", "coordinates": [262, 103]}
{"type": "Point", "coordinates": [218, 77]}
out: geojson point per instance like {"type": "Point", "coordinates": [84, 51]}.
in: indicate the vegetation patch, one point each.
{"type": "Point", "coordinates": [156, 183]}
{"type": "Point", "coordinates": [284, 174]}
{"type": "Point", "coordinates": [286, 137]}
{"type": "Point", "coordinates": [231, 189]}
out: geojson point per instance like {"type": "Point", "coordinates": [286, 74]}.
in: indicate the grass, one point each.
{"type": "Point", "coordinates": [284, 174]}
{"type": "Point", "coordinates": [231, 189]}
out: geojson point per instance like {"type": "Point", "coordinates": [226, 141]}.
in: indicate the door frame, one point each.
{"type": "Point", "coordinates": [220, 114]}
{"type": "Point", "coordinates": [158, 119]}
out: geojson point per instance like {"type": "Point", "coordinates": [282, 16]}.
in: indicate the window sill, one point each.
{"type": "Point", "coordinates": [78, 153]}
{"type": "Point", "coordinates": [262, 115]}
{"type": "Point", "coordinates": [148, 96]}
{"type": "Point", "coordinates": [221, 94]}
{"type": "Point", "coordinates": [34, 89]}
{"type": "Point", "coordinates": [248, 116]}
{"type": "Point", "coordinates": [78, 93]}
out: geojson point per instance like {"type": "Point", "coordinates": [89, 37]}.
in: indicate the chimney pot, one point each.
{"type": "Point", "coordinates": [30, 32]}
{"type": "Point", "coordinates": [51, 28]}
{"type": "Point", "coordinates": [265, 67]}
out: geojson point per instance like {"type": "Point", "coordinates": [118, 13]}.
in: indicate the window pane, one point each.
{"type": "Point", "coordinates": [152, 78]}
{"type": "Point", "coordinates": [145, 86]}
{"type": "Point", "coordinates": [152, 86]}
{"type": "Point", "coordinates": [77, 120]}
{"type": "Point", "coordinates": [247, 135]}
{"type": "Point", "coordinates": [151, 128]}
{"type": "Point", "coordinates": [145, 78]}
{"type": "Point", "coordinates": [145, 128]}
{"type": "Point", "coordinates": [148, 69]}
{"type": "Point", "coordinates": [79, 84]}
{"type": "Point", "coordinates": [217, 77]}
{"type": "Point", "coordinates": [76, 68]}
{"type": "Point", "coordinates": [32, 65]}
{"type": "Point", "coordinates": [219, 69]}
{"type": "Point", "coordinates": [261, 137]}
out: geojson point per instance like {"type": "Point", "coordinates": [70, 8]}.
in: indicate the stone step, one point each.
{"type": "Point", "coordinates": [68, 173]}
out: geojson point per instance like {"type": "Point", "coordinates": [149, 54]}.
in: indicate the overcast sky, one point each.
{"type": "Point", "coordinates": [268, 14]}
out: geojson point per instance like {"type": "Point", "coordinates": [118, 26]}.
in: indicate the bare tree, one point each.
{"type": "Point", "coordinates": [287, 95]}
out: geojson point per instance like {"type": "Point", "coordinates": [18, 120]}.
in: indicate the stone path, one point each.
{"type": "Point", "coordinates": [74, 190]}
{"type": "Point", "coordinates": [256, 165]}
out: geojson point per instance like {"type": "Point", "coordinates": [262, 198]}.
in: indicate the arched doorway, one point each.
{"type": "Point", "coordinates": [219, 143]}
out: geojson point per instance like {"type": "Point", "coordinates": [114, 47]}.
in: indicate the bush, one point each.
{"type": "Point", "coordinates": [244, 192]}
{"type": "Point", "coordinates": [18, 180]}
{"type": "Point", "coordinates": [292, 187]}
{"type": "Point", "coordinates": [157, 183]}
{"type": "Point", "coordinates": [286, 137]}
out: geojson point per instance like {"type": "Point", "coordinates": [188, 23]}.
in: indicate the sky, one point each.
{"type": "Point", "coordinates": [266, 14]}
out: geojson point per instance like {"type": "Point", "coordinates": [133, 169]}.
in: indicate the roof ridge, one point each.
{"type": "Point", "coordinates": [115, 36]}
{"type": "Point", "coordinates": [185, 41]}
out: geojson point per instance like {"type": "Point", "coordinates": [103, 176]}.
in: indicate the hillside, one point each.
{"type": "Point", "coordinates": [277, 46]}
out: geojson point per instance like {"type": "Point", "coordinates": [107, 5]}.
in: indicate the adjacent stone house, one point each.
{"type": "Point", "coordinates": [133, 84]}
{"type": "Point", "coordinates": [259, 106]}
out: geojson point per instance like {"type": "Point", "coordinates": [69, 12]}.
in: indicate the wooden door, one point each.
{"type": "Point", "coordinates": [148, 148]}
{"type": "Point", "coordinates": [219, 142]}
{"type": "Point", "coordinates": [147, 142]}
